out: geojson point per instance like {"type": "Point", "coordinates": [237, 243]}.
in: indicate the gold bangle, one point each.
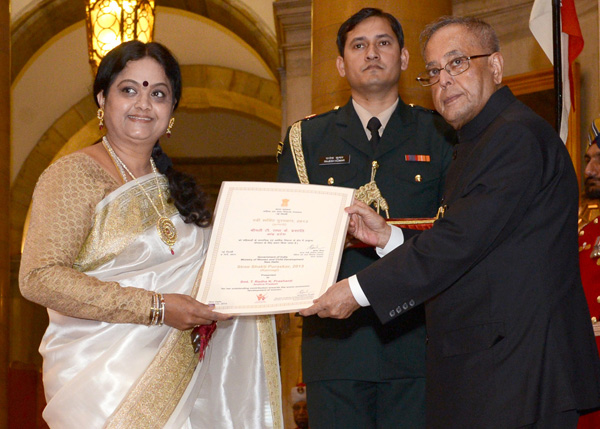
{"type": "Point", "coordinates": [151, 312]}
{"type": "Point", "coordinates": [155, 309]}
{"type": "Point", "coordinates": [162, 310]}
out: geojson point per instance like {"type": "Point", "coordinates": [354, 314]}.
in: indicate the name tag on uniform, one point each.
{"type": "Point", "coordinates": [417, 158]}
{"type": "Point", "coordinates": [334, 160]}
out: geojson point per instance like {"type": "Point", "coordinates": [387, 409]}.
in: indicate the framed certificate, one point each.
{"type": "Point", "coordinates": [274, 246]}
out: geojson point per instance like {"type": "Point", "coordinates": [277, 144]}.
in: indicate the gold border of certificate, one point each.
{"type": "Point", "coordinates": [274, 246]}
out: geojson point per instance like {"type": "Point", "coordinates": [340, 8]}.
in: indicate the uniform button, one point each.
{"type": "Point", "coordinates": [596, 220]}
{"type": "Point", "coordinates": [594, 320]}
{"type": "Point", "coordinates": [581, 233]}
{"type": "Point", "coordinates": [330, 181]}
{"type": "Point", "coordinates": [598, 299]}
{"type": "Point", "coordinates": [418, 178]}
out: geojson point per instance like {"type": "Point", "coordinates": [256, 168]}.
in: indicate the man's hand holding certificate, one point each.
{"type": "Point", "coordinates": [274, 247]}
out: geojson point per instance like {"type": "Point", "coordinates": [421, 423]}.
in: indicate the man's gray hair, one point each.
{"type": "Point", "coordinates": [483, 31]}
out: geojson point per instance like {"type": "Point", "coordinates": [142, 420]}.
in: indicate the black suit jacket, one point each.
{"type": "Point", "coordinates": [361, 348]}
{"type": "Point", "coordinates": [509, 334]}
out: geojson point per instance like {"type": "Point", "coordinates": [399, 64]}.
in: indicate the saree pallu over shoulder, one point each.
{"type": "Point", "coordinates": [120, 218]}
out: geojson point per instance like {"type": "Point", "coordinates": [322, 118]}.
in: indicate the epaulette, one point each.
{"type": "Point", "coordinates": [424, 109]}
{"type": "Point", "coordinates": [306, 118]}
{"type": "Point", "coordinates": [314, 115]}
{"type": "Point", "coordinates": [279, 151]}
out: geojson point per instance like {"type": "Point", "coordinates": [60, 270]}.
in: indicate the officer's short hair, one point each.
{"type": "Point", "coordinates": [360, 16]}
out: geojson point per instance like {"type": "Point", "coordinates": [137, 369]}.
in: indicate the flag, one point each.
{"type": "Point", "coordinates": [540, 24]}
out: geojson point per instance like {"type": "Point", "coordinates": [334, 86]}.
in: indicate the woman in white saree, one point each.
{"type": "Point", "coordinates": [115, 247]}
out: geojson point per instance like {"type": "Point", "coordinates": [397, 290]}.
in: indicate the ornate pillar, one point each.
{"type": "Point", "coordinates": [328, 88]}
{"type": "Point", "coordinates": [292, 21]}
{"type": "Point", "coordinates": [4, 199]}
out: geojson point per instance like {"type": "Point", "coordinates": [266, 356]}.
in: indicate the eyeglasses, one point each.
{"type": "Point", "coordinates": [454, 67]}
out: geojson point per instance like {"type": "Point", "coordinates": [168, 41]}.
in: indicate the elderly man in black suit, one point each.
{"type": "Point", "coordinates": [510, 343]}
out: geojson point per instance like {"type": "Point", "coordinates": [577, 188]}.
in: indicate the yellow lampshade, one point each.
{"type": "Point", "coordinates": [112, 22]}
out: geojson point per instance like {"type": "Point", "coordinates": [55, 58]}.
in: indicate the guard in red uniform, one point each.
{"type": "Point", "coordinates": [589, 245]}
{"type": "Point", "coordinates": [299, 406]}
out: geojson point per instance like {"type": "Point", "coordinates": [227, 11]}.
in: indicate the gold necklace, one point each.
{"type": "Point", "coordinates": [166, 230]}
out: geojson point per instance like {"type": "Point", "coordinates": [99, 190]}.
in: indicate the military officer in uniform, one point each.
{"type": "Point", "coordinates": [589, 245]}
{"type": "Point", "coordinates": [360, 373]}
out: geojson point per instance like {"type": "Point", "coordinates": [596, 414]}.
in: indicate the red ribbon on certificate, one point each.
{"type": "Point", "coordinates": [417, 223]}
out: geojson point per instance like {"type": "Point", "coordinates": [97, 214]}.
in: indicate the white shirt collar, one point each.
{"type": "Point", "coordinates": [364, 116]}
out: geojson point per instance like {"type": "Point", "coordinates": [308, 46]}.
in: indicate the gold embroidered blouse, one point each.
{"type": "Point", "coordinates": [61, 218]}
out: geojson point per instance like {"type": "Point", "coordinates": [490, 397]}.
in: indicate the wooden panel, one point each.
{"type": "Point", "coordinates": [26, 397]}
{"type": "Point", "coordinates": [210, 172]}
{"type": "Point", "coordinates": [4, 204]}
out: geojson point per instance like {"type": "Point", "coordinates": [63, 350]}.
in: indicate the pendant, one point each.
{"type": "Point", "coordinates": [167, 232]}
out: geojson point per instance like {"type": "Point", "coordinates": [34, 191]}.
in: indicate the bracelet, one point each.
{"type": "Point", "coordinates": [157, 309]}
{"type": "Point", "coordinates": [162, 310]}
{"type": "Point", "coordinates": [151, 312]}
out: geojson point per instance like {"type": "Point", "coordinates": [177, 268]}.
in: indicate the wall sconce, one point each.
{"type": "Point", "coordinates": [112, 22]}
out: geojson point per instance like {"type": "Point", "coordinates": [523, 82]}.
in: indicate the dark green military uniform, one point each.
{"type": "Point", "coordinates": [337, 151]}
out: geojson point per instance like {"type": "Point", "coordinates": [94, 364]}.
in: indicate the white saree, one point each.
{"type": "Point", "coordinates": [120, 375]}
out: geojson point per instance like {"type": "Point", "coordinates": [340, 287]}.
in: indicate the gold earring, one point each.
{"type": "Point", "coordinates": [100, 116]}
{"type": "Point", "coordinates": [171, 123]}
